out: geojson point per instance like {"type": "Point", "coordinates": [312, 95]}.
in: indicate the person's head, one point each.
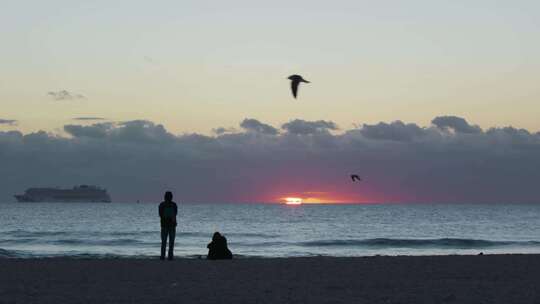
{"type": "Point", "coordinates": [168, 196]}
{"type": "Point", "coordinates": [216, 236]}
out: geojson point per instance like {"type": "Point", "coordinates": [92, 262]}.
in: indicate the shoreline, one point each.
{"type": "Point", "coordinates": [101, 257]}
{"type": "Point", "coordinates": [497, 278]}
{"type": "Point", "coordinates": [104, 257]}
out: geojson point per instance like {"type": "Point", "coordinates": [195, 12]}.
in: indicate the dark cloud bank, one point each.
{"type": "Point", "coordinates": [449, 161]}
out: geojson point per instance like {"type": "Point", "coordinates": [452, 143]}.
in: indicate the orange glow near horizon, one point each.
{"type": "Point", "coordinates": [298, 200]}
{"type": "Point", "coordinates": [293, 201]}
{"type": "Point", "coordinates": [315, 198]}
{"type": "Point", "coordinates": [322, 194]}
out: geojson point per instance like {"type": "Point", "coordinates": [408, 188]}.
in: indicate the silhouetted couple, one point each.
{"type": "Point", "coordinates": [168, 210]}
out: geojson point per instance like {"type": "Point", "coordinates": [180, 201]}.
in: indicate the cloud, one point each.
{"type": "Point", "coordinates": [398, 162]}
{"type": "Point", "coordinates": [455, 124]}
{"type": "Point", "coordinates": [303, 127]}
{"type": "Point", "coordinates": [9, 122]}
{"type": "Point", "coordinates": [65, 95]}
{"type": "Point", "coordinates": [396, 130]}
{"type": "Point", "coordinates": [222, 130]}
{"type": "Point", "coordinates": [137, 131]}
{"type": "Point", "coordinates": [89, 118]}
{"type": "Point", "coordinates": [253, 125]}
{"type": "Point", "coordinates": [94, 131]}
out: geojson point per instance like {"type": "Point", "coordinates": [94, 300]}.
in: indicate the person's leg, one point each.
{"type": "Point", "coordinates": [172, 235]}
{"type": "Point", "coordinates": [163, 242]}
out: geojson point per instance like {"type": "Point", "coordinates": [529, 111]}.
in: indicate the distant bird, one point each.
{"type": "Point", "coordinates": [295, 81]}
{"type": "Point", "coordinates": [355, 177]}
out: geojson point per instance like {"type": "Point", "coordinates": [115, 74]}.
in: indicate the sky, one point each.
{"type": "Point", "coordinates": [196, 70]}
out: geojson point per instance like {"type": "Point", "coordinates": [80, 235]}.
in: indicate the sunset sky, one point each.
{"type": "Point", "coordinates": [158, 72]}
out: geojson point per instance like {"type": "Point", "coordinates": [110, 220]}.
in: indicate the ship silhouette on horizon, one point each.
{"type": "Point", "coordinates": [78, 194]}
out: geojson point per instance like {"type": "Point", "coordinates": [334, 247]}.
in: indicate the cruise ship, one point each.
{"type": "Point", "coordinates": [79, 194]}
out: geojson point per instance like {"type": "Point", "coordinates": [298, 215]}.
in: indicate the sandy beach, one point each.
{"type": "Point", "coordinates": [429, 279]}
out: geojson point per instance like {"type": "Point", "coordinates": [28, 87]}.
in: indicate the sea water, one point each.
{"type": "Point", "coordinates": [269, 230]}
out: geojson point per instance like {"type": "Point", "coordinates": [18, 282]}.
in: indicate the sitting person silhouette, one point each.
{"type": "Point", "coordinates": [217, 249]}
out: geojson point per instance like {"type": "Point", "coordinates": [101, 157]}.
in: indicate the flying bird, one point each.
{"type": "Point", "coordinates": [355, 177]}
{"type": "Point", "coordinates": [295, 82]}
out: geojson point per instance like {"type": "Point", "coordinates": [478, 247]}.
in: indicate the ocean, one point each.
{"type": "Point", "coordinates": [119, 230]}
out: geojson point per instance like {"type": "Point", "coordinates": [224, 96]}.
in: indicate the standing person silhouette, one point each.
{"type": "Point", "coordinates": [167, 213]}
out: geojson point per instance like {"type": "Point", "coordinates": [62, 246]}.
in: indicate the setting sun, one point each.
{"type": "Point", "coordinates": [311, 197]}
{"type": "Point", "coordinates": [293, 201]}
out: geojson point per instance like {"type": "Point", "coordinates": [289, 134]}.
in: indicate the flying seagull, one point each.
{"type": "Point", "coordinates": [355, 177]}
{"type": "Point", "coordinates": [295, 81]}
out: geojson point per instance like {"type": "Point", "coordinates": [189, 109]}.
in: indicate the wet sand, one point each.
{"type": "Point", "coordinates": [432, 279]}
